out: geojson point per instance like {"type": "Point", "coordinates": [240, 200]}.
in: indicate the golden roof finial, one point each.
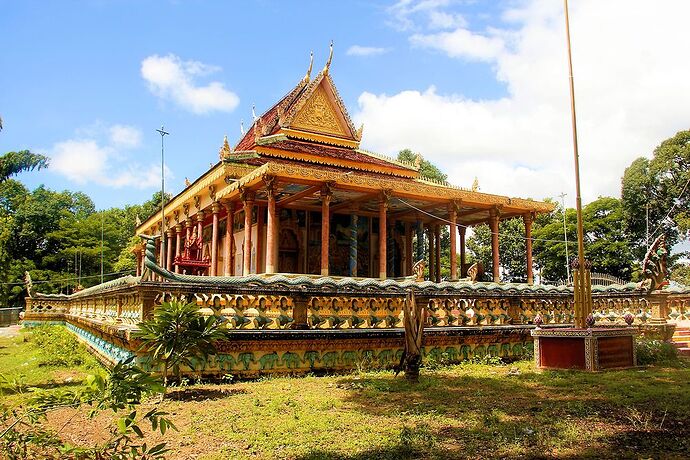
{"type": "Point", "coordinates": [225, 150]}
{"type": "Point", "coordinates": [475, 184]}
{"type": "Point", "coordinates": [307, 77]}
{"type": "Point", "coordinates": [330, 58]}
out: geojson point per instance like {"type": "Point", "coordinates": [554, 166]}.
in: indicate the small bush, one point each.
{"type": "Point", "coordinates": [655, 352]}
{"type": "Point", "coordinates": [59, 347]}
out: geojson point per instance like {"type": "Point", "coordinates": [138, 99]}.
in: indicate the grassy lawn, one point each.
{"type": "Point", "coordinates": [463, 411]}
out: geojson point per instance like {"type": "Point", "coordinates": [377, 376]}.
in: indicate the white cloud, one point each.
{"type": "Point", "coordinates": [462, 43]}
{"type": "Point", "coordinates": [89, 160]}
{"type": "Point", "coordinates": [171, 78]}
{"type": "Point", "coordinates": [632, 92]}
{"type": "Point", "coordinates": [357, 50]}
{"type": "Point", "coordinates": [404, 12]}
{"type": "Point", "coordinates": [125, 136]}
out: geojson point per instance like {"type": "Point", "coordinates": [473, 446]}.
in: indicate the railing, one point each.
{"type": "Point", "coordinates": [252, 307]}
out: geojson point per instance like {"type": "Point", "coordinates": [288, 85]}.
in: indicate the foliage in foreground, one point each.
{"type": "Point", "coordinates": [59, 347]}
{"type": "Point", "coordinates": [24, 434]}
{"type": "Point", "coordinates": [655, 352]}
{"type": "Point", "coordinates": [178, 334]}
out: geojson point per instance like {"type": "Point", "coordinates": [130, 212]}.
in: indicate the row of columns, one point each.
{"type": "Point", "coordinates": [272, 232]}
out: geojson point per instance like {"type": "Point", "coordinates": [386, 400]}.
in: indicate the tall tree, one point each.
{"type": "Point", "coordinates": [661, 184]}
{"type": "Point", "coordinates": [13, 163]}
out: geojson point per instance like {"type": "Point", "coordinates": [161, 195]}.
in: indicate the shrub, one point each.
{"type": "Point", "coordinates": [655, 352]}
{"type": "Point", "coordinates": [177, 334]}
{"type": "Point", "coordinates": [59, 347]}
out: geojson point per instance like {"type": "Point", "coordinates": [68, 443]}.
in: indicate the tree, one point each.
{"type": "Point", "coordinates": [426, 168]}
{"type": "Point", "coordinates": [511, 242]}
{"type": "Point", "coordinates": [662, 184]}
{"type": "Point", "coordinates": [606, 240]}
{"type": "Point", "coordinates": [13, 163]}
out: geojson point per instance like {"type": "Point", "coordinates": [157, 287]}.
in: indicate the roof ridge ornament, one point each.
{"type": "Point", "coordinates": [225, 150]}
{"type": "Point", "coordinates": [328, 63]}
{"type": "Point", "coordinates": [242, 127]}
{"type": "Point", "coordinates": [307, 76]}
{"type": "Point", "coordinates": [254, 117]}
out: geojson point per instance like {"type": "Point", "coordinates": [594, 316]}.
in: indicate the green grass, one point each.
{"type": "Point", "coordinates": [462, 411]}
{"type": "Point", "coordinates": [48, 358]}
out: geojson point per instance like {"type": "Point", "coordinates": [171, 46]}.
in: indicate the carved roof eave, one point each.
{"type": "Point", "coordinates": [199, 186]}
{"type": "Point", "coordinates": [420, 188]}
{"type": "Point", "coordinates": [348, 165]}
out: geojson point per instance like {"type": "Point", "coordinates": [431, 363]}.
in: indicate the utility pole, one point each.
{"type": "Point", "coordinates": [565, 235]}
{"type": "Point", "coordinates": [163, 133]}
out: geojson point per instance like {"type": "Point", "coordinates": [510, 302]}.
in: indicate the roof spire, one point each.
{"type": "Point", "coordinates": [307, 77]}
{"type": "Point", "coordinates": [225, 150]}
{"type": "Point", "coordinates": [254, 113]}
{"type": "Point", "coordinates": [330, 58]}
{"type": "Point", "coordinates": [242, 127]}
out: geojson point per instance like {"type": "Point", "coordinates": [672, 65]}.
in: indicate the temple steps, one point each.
{"type": "Point", "coordinates": [681, 340]}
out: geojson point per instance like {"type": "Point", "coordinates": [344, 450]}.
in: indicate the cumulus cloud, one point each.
{"type": "Point", "coordinates": [104, 161]}
{"type": "Point", "coordinates": [171, 78]}
{"type": "Point", "coordinates": [357, 50]}
{"type": "Point", "coordinates": [632, 92]}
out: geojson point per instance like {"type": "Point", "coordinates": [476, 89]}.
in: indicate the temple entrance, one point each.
{"type": "Point", "coordinates": [288, 253]}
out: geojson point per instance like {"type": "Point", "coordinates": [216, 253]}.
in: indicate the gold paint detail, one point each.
{"type": "Point", "coordinates": [318, 115]}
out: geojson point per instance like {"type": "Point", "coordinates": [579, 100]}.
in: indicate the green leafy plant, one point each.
{"type": "Point", "coordinates": [655, 352]}
{"type": "Point", "coordinates": [177, 335]}
{"type": "Point", "coordinates": [59, 347]}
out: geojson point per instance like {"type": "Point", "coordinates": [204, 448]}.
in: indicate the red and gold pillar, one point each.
{"type": "Point", "coordinates": [229, 240]}
{"type": "Point", "coordinates": [248, 203]}
{"type": "Point", "coordinates": [215, 209]}
{"type": "Point", "coordinates": [169, 249]}
{"type": "Point", "coordinates": [463, 270]}
{"type": "Point", "coordinates": [437, 246]}
{"type": "Point", "coordinates": [326, 195]}
{"type": "Point", "coordinates": [493, 225]}
{"type": "Point", "coordinates": [271, 227]}
{"type": "Point", "coordinates": [383, 237]}
{"type": "Point", "coordinates": [453, 243]}
{"type": "Point", "coordinates": [178, 244]}
{"type": "Point", "coordinates": [528, 219]}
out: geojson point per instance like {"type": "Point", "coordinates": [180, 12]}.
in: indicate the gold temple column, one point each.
{"type": "Point", "coordinates": [137, 255]}
{"type": "Point", "coordinates": [188, 223]}
{"type": "Point", "coordinates": [229, 240]}
{"type": "Point", "coordinates": [326, 195]}
{"type": "Point", "coordinates": [169, 249]}
{"type": "Point", "coordinates": [178, 244]}
{"type": "Point", "coordinates": [259, 245]}
{"type": "Point", "coordinates": [271, 227]}
{"type": "Point", "coordinates": [453, 243]}
{"type": "Point", "coordinates": [493, 225]}
{"type": "Point", "coordinates": [528, 219]}
{"type": "Point", "coordinates": [437, 246]}
{"type": "Point", "coordinates": [142, 258]}
{"type": "Point", "coordinates": [463, 271]}
{"type": "Point", "coordinates": [215, 209]}
{"type": "Point", "coordinates": [383, 238]}
{"type": "Point", "coordinates": [248, 203]}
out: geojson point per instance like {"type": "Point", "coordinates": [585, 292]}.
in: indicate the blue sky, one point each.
{"type": "Point", "coordinates": [478, 87]}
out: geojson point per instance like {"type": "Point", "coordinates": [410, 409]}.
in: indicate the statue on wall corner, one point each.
{"type": "Point", "coordinates": [655, 266]}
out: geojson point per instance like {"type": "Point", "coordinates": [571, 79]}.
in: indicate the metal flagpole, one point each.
{"type": "Point", "coordinates": [581, 302]}
{"type": "Point", "coordinates": [163, 133]}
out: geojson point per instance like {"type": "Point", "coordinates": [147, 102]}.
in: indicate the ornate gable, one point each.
{"type": "Point", "coordinates": [319, 114]}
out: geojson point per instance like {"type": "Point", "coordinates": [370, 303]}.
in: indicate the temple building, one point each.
{"type": "Point", "coordinates": [297, 194]}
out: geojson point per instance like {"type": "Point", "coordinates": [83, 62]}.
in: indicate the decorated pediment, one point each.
{"type": "Point", "coordinates": [320, 115]}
